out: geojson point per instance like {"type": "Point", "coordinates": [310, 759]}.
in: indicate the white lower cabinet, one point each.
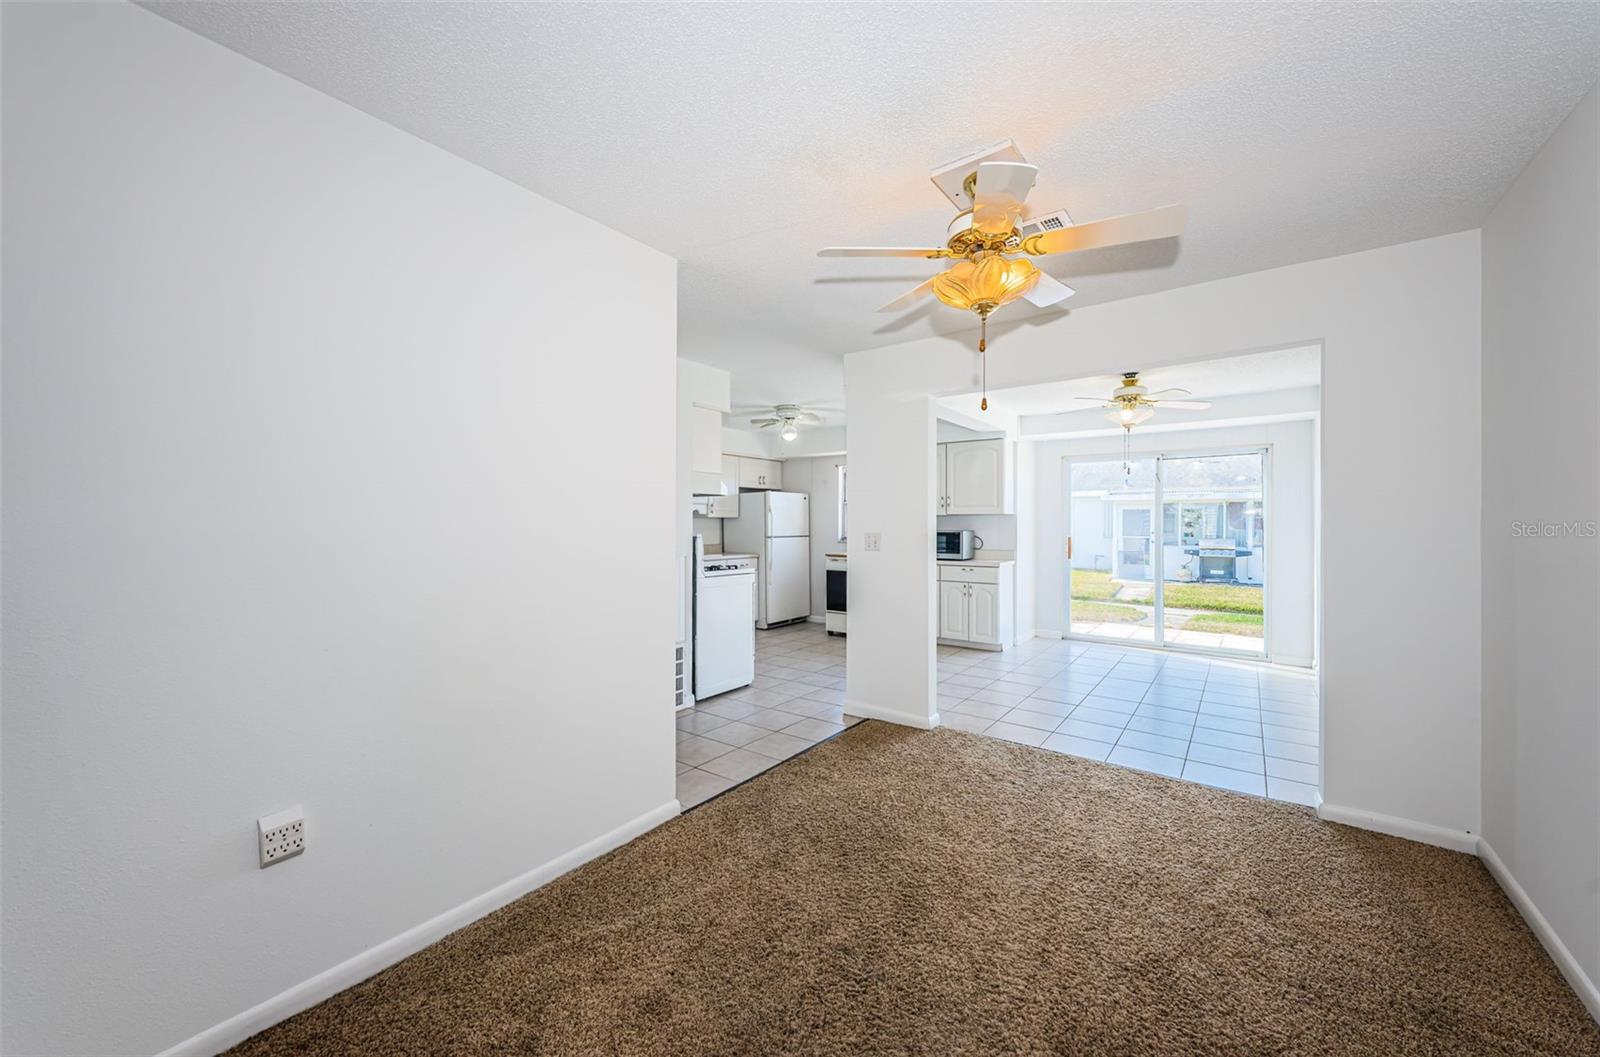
{"type": "Point", "coordinates": [953, 606]}
{"type": "Point", "coordinates": [983, 622]}
{"type": "Point", "coordinates": [975, 604]}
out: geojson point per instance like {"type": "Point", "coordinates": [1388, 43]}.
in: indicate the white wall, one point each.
{"type": "Point", "coordinates": [998, 531]}
{"type": "Point", "coordinates": [743, 442]}
{"type": "Point", "coordinates": [292, 404]}
{"type": "Point", "coordinates": [813, 441]}
{"type": "Point", "coordinates": [889, 660]}
{"type": "Point", "coordinates": [1541, 595]}
{"type": "Point", "coordinates": [1290, 597]}
{"type": "Point", "coordinates": [698, 385]}
{"type": "Point", "coordinates": [1401, 720]}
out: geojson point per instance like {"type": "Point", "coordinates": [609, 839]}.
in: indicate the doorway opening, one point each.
{"type": "Point", "coordinates": [1170, 550]}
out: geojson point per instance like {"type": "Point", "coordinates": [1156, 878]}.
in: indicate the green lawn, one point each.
{"type": "Point", "coordinates": [1225, 623]}
{"type": "Point", "coordinates": [1091, 586]}
{"type": "Point", "coordinates": [1101, 613]}
{"type": "Point", "coordinates": [1218, 598]}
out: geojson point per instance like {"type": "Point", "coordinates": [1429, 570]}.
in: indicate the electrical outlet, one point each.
{"type": "Point", "coordinates": [874, 541]}
{"type": "Point", "coordinates": [281, 835]}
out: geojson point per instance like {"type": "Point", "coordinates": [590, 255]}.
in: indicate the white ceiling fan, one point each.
{"type": "Point", "coordinates": [1131, 403]}
{"type": "Point", "coordinates": [990, 239]}
{"type": "Point", "coordinates": [787, 417]}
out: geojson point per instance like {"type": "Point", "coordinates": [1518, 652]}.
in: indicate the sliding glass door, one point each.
{"type": "Point", "coordinates": [1112, 549]}
{"type": "Point", "coordinates": [1169, 551]}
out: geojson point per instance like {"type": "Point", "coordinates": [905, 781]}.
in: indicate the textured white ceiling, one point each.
{"type": "Point", "coordinates": [741, 137]}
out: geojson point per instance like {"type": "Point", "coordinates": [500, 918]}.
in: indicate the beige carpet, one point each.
{"type": "Point", "coordinates": [902, 892]}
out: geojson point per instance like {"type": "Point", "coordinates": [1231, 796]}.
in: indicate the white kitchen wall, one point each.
{"type": "Point", "coordinates": [1541, 593]}
{"type": "Point", "coordinates": [744, 442]}
{"type": "Point", "coordinates": [1291, 597]}
{"type": "Point", "coordinates": [818, 478]}
{"type": "Point", "coordinates": [296, 411]}
{"type": "Point", "coordinates": [998, 531]}
{"type": "Point", "coordinates": [699, 385]}
{"type": "Point", "coordinates": [710, 529]}
{"type": "Point", "coordinates": [1401, 719]}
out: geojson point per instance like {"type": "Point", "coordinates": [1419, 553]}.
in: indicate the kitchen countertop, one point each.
{"type": "Point", "coordinates": [984, 563]}
{"type": "Point", "coordinates": [729, 554]}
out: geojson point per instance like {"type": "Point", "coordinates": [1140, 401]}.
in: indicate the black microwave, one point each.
{"type": "Point", "coordinates": [954, 545]}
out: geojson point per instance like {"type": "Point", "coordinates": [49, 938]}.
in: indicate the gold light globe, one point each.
{"type": "Point", "coordinates": [981, 285]}
{"type": "Point", "coordinates": [984, 284]}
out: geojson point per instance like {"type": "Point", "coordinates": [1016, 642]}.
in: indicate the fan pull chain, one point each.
{"type": "Point", "coordinates": [983, 358]}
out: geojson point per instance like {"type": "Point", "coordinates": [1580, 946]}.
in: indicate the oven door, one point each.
{"type": "Point", "coordinates": [836, 590]}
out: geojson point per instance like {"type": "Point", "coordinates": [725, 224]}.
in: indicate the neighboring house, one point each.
{"type": "Point", "coordinates": [1111, 532]}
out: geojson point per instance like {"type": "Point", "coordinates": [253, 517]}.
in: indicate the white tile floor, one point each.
{"type": "Point", "coordinates": [1232, 724]}
{"type": "Point", "coordinates": [795, 702]}
{"type": "Point", "coordinates": [1236, 725]}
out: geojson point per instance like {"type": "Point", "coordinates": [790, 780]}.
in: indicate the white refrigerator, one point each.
{"type": "Point", "coordinates": [776, 528]}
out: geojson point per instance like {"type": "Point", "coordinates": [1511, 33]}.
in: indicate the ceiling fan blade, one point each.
{"type": "Point", "coordinates": [1048, 291]}
{"type": "Point", "coordinates": [806, 418]}
{"type": "Point", "coordinates": [910, 297]}
{"type": "Point", "coordinates": [882, 251]}
{"type": "Point", "coordinates": [1001, 189]}
{"type": "Point", "coordinates": [1186, 405]}
{"type": "Point", "coordinates": [1096, 399]}
{"type": "Point", "coordinates": [1162, 223]}
{"type": "Point", "coordinates": [765, 422]}
{"type": "Point", "coordinates": [1164, 392]}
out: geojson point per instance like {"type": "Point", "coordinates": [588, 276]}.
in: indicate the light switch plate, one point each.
{"type": "Point", "coordinates": [874, 541]}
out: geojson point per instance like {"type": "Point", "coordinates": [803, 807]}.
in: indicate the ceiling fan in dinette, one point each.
{"type": "Point", "coordinates": [993, 236]}
{"type": "Point", "coordinates": [1132, 403]}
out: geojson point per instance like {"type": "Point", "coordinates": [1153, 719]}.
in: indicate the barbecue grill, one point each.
{"type": "Point", "coordinates": [1219, 559]}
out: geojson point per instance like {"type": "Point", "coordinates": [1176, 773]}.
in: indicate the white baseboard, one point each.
{"type": "Point", "coordinates": [891, 715]}
{"type": "Point", "coordinates": [1422, 832]}
{"type": "Point", "coordinates": [1048, 633]}
{"type": "Point", "coordinates": [348, 973]}
{"type": "Point", "coordinates": [814, 619]}
{"type": "Point", "coordinates": [1576, 977]}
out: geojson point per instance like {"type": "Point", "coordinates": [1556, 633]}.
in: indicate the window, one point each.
{"type": "Point", "coordinates": [844, 503]}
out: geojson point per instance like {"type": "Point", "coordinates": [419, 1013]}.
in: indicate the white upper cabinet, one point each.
{"type": "Point", "coordinates": [975, 478]}
{"type": "Point", "coordinates": [730, 477]}
{"type": "Point", "coordinates": [760, 473]}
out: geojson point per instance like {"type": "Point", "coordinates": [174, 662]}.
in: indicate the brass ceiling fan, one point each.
{"type": "Point", "coordinates": [990, 240]}
{"type": "Point", "coordinates": [1132, 404]}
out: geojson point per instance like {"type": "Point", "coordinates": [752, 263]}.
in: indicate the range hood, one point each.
{"type": "Point", "coordinates": [715, 505]}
